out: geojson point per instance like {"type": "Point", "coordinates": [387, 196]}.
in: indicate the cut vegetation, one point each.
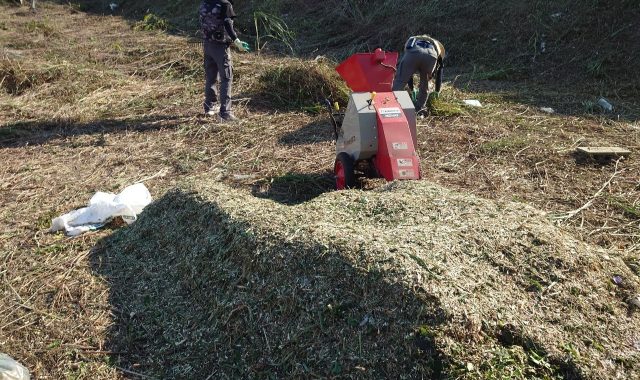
{"type": "Point", "coordinates": [410, 280]}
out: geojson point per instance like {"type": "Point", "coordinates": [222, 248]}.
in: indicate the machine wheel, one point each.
{"type": "Point", "coordinates": [344, 173]}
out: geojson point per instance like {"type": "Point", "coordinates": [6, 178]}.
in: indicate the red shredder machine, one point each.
{"type": "Point", "coordinates": [376, 135]}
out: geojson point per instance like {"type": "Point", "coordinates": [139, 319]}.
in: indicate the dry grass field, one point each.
{"type": "Point", "coordinates": [90, 103]}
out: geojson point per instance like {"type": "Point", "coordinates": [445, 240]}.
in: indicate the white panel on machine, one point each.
{"type": "Point", "coordinates": [358, 135]}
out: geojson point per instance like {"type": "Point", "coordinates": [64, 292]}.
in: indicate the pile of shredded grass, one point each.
{"type": "Point", "coordinates": [407, 281]}
{"type": "Point", "coordinates": [300, 85]}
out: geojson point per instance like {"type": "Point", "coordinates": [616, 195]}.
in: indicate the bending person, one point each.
{"type": "Point", "coordinates": [423, 55]}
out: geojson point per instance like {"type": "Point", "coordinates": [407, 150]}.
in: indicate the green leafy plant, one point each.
{"type": "Point", "coordinates": [152, 22]}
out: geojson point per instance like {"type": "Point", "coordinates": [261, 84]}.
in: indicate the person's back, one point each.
{"type": "Point", "coordinates": [422, 54]}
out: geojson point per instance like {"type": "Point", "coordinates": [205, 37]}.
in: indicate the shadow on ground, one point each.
{"type": "Point", "coordinates": [312, 133]}
{"type": "Point", "coordinates": [196, 294]}
{"type": "Point", "coordinates": [294, 188]}
{"type": "Point", "coordinates": [40, 132]}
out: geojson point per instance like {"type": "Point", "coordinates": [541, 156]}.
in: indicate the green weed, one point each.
{"type": "Point", "coordinates": [535, 285]}
{"type": "Point", "coordinates": [633, 264]}
{"type": "Point", "coordinates": [152, 22]}
{"type": "Point", "coordinates": [424, 331]}
{"type": "Point", "coordinates": [595, 67]}
{"type": "Point", "coordinates": [589, 106]}
{"type": "Point", "coordinates": [571, 350]}
{"type": "Point", "coordinates": [503, 145]}
{"type": "Point", "coordinates": [440, 107]}
{"type": "Point", "coordinates": [44, 220]}
{"type": "Point", "coordinates": [419, 261]}
{"type": "Point", "coordinates": [630, 210]}
{"type": "Point", "coordinates": [517, 363]}
{"type": "Point", "coordinates": [51, 249]}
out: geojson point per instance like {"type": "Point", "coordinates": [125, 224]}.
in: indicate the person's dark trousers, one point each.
{"type": "Point", "coordinates": [217, 66]}
{"type": "Point", "coordinates": [416, 60]}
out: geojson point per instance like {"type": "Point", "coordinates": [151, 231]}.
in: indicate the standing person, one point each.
{"type": "Point", "coordinates": [216, 21]}
{"type": "Point", "coordinates": [424, 55]}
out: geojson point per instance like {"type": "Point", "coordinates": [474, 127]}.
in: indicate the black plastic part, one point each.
{"type": "Point", "coordinates": [349, 171]}
{"type": "Point", "coordinates": [332, 116]}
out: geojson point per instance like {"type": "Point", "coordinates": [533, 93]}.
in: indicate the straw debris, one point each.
{"type": "Point", "coordinates": [126, 109]}
{"type": "Point", "coordinates": [299, 85]}
{"type": "Point", "coordinates": [15, 78]}
{"type": "Point", "coordinates": [409, 280]}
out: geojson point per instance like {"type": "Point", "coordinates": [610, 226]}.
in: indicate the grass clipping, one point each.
{"type": "Point", "coordinates": [300, 85]}
{"type": "Point", "coordinates": [408, 281]}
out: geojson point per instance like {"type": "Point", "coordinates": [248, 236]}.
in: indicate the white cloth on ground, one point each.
{"type": "Point", "coordinates": [11, 369]}
{"type": "Point", "coordinates": [102, 208]}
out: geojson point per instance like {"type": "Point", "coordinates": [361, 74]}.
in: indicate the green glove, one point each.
{"type": "Point", "coordinates": [241, 45]}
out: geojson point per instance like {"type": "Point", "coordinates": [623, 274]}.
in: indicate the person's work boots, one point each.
{"type": "Point", "coordinates": [213, 111]}
{"type": "Point", "coordinates": [229, 118]}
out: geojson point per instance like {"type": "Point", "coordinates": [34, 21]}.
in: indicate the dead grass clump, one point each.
{"type": "Point", "coordinates": [629, 209]}
{"type": "Point", "coordinates": [302, 85]}
{"type": "Point", "coordinates": [15, 78]}
{"type": "Point", "coordinates": [40, 27]}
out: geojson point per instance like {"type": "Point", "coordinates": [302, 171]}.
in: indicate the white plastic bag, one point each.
{"type": "Point", "coordinates": [102, 208]}
{"type": "Point", "coordinates": [473, 102]}
{"type": "Point", "coordinates": [11, 369]}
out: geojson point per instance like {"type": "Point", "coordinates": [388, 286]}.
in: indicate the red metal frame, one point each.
{"type": "Point", "coordinates": [396, 157]}
{"type": "Point", "coordinates": [365, 72]}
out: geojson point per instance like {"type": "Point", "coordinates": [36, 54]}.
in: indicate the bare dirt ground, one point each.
{"type": "Point", "coordinates": [89, 104]}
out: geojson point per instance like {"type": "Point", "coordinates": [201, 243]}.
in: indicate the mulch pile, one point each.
{"type": "Point", "coordinates": [409, 280]}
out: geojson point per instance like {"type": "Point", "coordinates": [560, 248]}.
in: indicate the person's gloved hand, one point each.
{"type": "Point", "coordinates": [241, 45]}
{"type": "Point", "coordinates": [435, 95]}
{"type": "Point", "coordinates": [414, 95]}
